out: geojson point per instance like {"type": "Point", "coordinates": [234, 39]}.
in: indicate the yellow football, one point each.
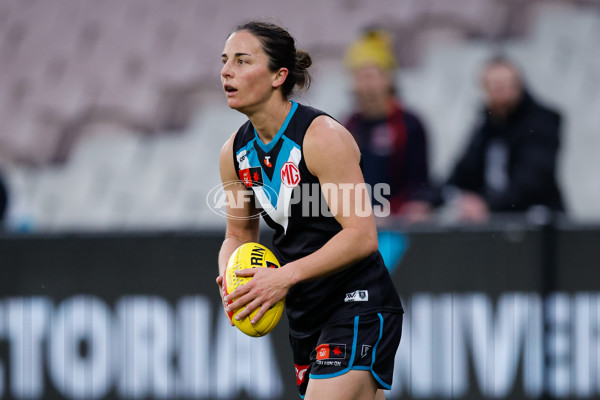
{"type": "Point", "coordinates": [251, 255]}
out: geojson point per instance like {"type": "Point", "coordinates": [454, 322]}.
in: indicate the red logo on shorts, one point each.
{"type": "Point", "coordinates": [322, 352]}
{"type": "Point", "coordinates": [331, 350]}
{"type": "Point", "coordinates": [290, 176]}
{"type": "Point", "coordinates": [300, 373]}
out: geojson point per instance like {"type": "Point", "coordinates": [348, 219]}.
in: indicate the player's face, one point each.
{"type": "Point", "coordinates": [246, 78]}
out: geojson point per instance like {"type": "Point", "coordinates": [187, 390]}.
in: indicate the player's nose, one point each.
{"type": "Point", "coordinates": [226, 71]}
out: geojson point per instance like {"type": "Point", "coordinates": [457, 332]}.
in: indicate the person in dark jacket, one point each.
{"type": "Point", "coordinates": [510, 162]}
{"type": "Point", "coordinates": [392, 139]}
{"type": "Point", "coordinates": [3, 200]}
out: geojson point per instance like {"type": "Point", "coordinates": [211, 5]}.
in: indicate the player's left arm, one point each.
{"type": "Point", "coordinates": [331, 154]}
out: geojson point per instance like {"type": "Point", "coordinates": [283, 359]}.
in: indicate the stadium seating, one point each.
{"type": "Point", "coordinates": [112, 117]}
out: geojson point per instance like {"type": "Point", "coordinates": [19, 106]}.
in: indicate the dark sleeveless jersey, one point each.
{"type": "Point", "coordinates": [292, 203]}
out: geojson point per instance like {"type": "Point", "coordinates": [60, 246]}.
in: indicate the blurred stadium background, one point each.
{"type": "Point", "coordinates": [111, 121]}
{"type": "Point", "coordinates": [112, 114]}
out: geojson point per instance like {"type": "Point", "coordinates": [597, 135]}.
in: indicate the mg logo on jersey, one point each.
{"type": "Point", "coordinates": [290, 175]}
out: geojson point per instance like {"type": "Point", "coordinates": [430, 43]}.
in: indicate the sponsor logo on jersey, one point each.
{"type": "Point", "coordinates": [268, 162]}
{"type": "Point", "coordinates": [357, 295]}
{"type": "Point", "coordinates": [300, 373]}
{"type": "Point", "coordinates": [242, 155]}
{"type": "Point", "coordinates": [331, 350]}
{"type": "Point", "coordinates": [251, 176]}
{"type": "Point", "coordinates": [290, 175]}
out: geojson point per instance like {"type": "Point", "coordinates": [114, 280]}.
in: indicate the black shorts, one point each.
{"type": "Point", "coordinates": [367, 342]}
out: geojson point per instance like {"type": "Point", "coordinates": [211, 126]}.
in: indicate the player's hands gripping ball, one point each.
{"type": "Point", "coordinates": [251, 255]}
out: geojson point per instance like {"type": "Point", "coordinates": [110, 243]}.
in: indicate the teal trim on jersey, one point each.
{"type": "Point", "coordinates": [268, 147]}
{"type": "Point", "coordinates": [249, 147]}
{"type": "Point", "coordinates": [252, 155]}
{"type": "Point", "coordinates": [271, 190]}
{"type": "Point", "coordinates": [272, 187]}
{"type": "Point", "coordinates": [284, 156]}
{"type": "Point", "coordinates": [349, 367]}
{"type": "Point", "coordinates": [374, 352]}
{"type": "Point", "coordinates": [392, 246]}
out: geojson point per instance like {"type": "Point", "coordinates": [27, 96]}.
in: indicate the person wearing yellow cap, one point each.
{"type": "Point", "coordinates": [392, 140]}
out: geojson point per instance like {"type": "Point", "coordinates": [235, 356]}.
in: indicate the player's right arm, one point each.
{"type": "Point", "coordinates": [241, 227]}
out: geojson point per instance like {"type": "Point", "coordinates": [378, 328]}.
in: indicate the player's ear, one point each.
{"type": "Point", "coordinates": [279, 77]}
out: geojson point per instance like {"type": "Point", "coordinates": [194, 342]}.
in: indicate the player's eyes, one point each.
{"type": "Point", "coordinates": [238, 61]}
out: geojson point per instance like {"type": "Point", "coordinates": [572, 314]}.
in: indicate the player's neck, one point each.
{"type": "Point", "coordinates": [269, 119]}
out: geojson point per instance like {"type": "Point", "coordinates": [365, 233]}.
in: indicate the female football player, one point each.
{"type": "Point", "coordinates": [344, 313]}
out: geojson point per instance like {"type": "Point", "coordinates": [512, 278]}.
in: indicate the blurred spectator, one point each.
{"type": "Point", "coordinates": [392, 140]}
{"type": "Point", "coordinates": [3, 200]}
{"type": "Point", "coordinates": [510, 162]}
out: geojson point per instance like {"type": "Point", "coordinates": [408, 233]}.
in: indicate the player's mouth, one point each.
{"type": "Point", "coordinates": [229, 90]}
